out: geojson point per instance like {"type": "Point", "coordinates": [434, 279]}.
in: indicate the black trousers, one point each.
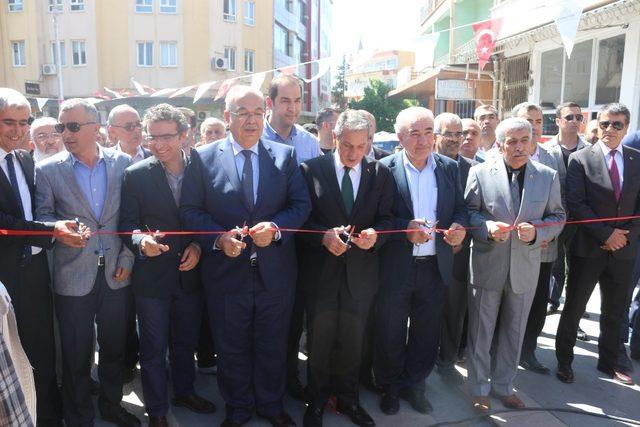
{"type": "Point", "coordinates": [561, 264]}
{"type": "Point", "coordinates": [614, 276]}
{"type": "Point", "coordinates": [133, 342]}
{"type": "Point", "coordinates": [295, 333]}
{"type": "Point", "coordinates": [33, 305]}
{"type": "Point", "coordinates": [77, 315]}
{"type": "Point", "coordinates": [451, 335]}
{"type": "Point", "coordinates": [206, 351]}
{"type": "Point", "coordinates": [538, 312]}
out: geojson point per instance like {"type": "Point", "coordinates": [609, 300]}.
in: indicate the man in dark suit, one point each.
{"type": "Point", "coordinates": [350, 194]}
{"type": "Point", "coordinates": [165, 280]}
{"type": "Point", "coordinates": [605, 183]}
{"type": "Point", "coordinates": [248, 182]}
{"type": "Point", "coordinates": [23, 263]}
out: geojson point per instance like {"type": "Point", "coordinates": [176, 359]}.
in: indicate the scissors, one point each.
{"type": "Point", "coordinates": [347, 236]}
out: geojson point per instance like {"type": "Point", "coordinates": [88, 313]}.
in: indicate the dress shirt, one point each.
{"type": "Point", "coordinates": [175, 184]}
{"type": "Point", "coordinates": [92, 182]}
{"type": "Point", "coordinates": [424, 198]}
{"type": "Point", "coordinates": [306, 145]}
{"type": "Point", "coordinates": [521, 175]}
{"type": "Point", "coordinates": [134, 159]}
{"type": "Point", "coordinates": [619, 159]}
{"type": "Point", "coordinates": [25, 194]}
{"type": "Point", "coordinates": [354, 173]}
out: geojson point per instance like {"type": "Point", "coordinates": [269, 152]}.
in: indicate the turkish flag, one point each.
{"type": "Point", "coordinates": [485, 34]}
{"type": "Point", "coordinates": [223, 89]}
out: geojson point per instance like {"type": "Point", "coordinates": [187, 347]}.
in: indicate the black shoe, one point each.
{"type": "Point", "coordinates": [356, 413]}
{"type": "Point", "coordinates": [296, 390]}
{"type": "Point", "coordinates": [532, 364]}
{"type": "Point", "coordinates": [417, 400]}
{"type": "Point", "coordinates": [158, 421]}
{"type": "Point", "coordinates": [117, 415]}
{"type": "Point", "coordinates": [552, 309]}
{"type": "Point", "coordinates": [313, 416]}
{"type": "Point", "coordinates": [451, 376]}
{"type": "Point", "coordinates": [565, 374]}
{"type": "Point", "coordinates": [369, 382]}
{"type": "Point", "coordinates": [228, 422]}
{"type": "Point", "coordinates": [195, 403]}
{"type": "Point", "coordinates": [128, 375]}
{"type": "Point", "coordinates": [582, 335]}
{"type": "Point", "coordinates": [389, 403]}
{"type": "Point", "coordinates": [281, 420]}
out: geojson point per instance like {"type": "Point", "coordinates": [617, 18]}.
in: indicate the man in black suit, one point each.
{"type": "Point", "coordinates": [605, 183]}
{"type": "Point", "coordinates": [23, 263]}
{"type": "Point", "coordinates": [351, 195]}
{"type": "Point", "coordinates": [166, 283]}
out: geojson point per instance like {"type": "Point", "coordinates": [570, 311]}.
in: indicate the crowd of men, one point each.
{"type": "Point", "coordinates": [158, 248]}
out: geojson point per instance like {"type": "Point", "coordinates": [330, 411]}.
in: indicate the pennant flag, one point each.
{"type": "Point", "coordinates": [182, 91]}
{"type": "Point", "coordinates": [112, 92]}
{"type": "Point", "coordinates": [425, 47]}
{"type": "Point", "coordinates": [223, 89]}
{"type": "Point", "coordinates": [485, 34]}
{"type": "Point", "coordinates": [138, 87]}
{"type": "Point", "coordinates": [289, 71]}
{"type": "Point", "coordinates": [202, 89]}
{"type": "Point", "coordinates": [323, 67]}
{"type": "Point", "coordinates": [257, 80]}
{"type": "Point", "coordinates": [567, 19]}
{"type": "Point", "coordinates": [41, 102]}
{"type": "Point", "coordinates": [164, 92]}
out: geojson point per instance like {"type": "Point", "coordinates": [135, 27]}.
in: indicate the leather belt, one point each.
{"type": "Point", "coordinates": [423, 258]}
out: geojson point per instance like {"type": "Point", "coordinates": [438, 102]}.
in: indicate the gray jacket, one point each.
{"type": "Point", "coordinates": [554, 161]}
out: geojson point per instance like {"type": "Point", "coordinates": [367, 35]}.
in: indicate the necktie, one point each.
{"type": "Point", "coordinates": [26, 252]}
{"type": "Point", "coordinates": [247, 178]}
{"type": "Point", "coordinates": [515, 192]}
{"type": "Point", "coordinates": [347, 190]}
{"type": "Point", "coordinates": [614, 175]}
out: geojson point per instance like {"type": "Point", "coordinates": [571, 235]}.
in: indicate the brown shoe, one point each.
{"type": "Point", "coordinates": [481, 404]}
{"type": "Point", "coordinates": [512, 402]}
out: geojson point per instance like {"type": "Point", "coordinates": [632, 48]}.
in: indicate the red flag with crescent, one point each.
{"type": "Point", "coordinates": [485, 34]}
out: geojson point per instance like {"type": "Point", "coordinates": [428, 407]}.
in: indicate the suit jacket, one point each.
{"type": "Point", "coordinates": [488, 198]}
{"type": "Point", "coordinates": [397, 254]}
{"type": "Point", "coordinates": [11, 247]}
{"type": "Point", "coordinates": [592, 196]}
{"type": "Point", "coordinates": [212, 199]}
{"type": "Point", "coordinates": [321, 271]}
{"type": "Point", "coordinates": [147, 201]}
{"type": "Point", "coordinates": [632, 140]}
{"type": "Point", "coordinates": [553, 147]}
{"type": "Point", "coordinates": [552, 159]}
{"type": "Point", "coordinates": [58, 196]}
{"type": "Point", "coordinates": [461, 259]}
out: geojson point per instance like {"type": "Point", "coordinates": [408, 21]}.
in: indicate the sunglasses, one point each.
{"type": "Point", "coordinates": [71, 126]}
{"type": "Point", "coordinates": [129, 127]}
{"type": "Point", "coordinates": [617, 125]}
{"type": "Point", "coordinates": [571, 117]}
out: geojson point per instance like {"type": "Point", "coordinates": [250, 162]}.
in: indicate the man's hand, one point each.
{"type": "Point", "coordinates": [230, 244]}
{"type": "Point", "coordinates": [457, 249]}
{"type": "Point", "coordinates": [616, 241]}
{"type": "Point", "coordinates": [262, 234]}
{"type": "Point", "coordinates": [71, 234]}
{"type": "Point", "coordinates": [526, 232]}
{"type": "Point", "coordinates": [121, 274]}
{"type": "Point", "coordinates": [421, 234]}
{"type": "Point", "coordinates": [366, 239]}
{"type": "Point", "coordinates": [455, 234]}
{"type": "Point", "coordinates": [499, 231]}
{"type": "Point", "coordinates": [150, 247]}
{"type": "Point", "coordinates": [190, 257]}
{"type": "Point", "coordinates": [331, 240]}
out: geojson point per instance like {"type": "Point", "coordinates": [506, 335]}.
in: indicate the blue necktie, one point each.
{"type": "Point", "coordinates": [26, 251]}
{"type": "Point", "coordinates": [247, 178]}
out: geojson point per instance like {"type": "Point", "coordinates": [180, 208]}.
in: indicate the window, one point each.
{"type": "Point", "coordinates": [299, 53]}
{"type": "Point", "coordinates": [551, 78]}
{"type": "Point", "coordinates": [79, 52]}
{"type": "Point", "coordinates": [54, 53]}
{"type": "Point", "coordinates": [76, 6]}
{"type": "Point", "coordinates": [577, 74]}
{"type": "Point", "coordinates": [15, 6]}
{"type": "Point", "coordinates": [144, 6]}
{"type": "Point", "coordinates": [610, 54]}
{"type": "Point", "coordinates": [250, 12]}
{"type": "Point", "coordinates": [168, 6]}
{"type": "Point", "coordinates": [169, 51]}
{"type": "Point", "coordinates": [281, 39]}
{"type": "Point", "coordinates": [249, 58]}
{"type": "Point", "coordinates": [229, 13]}
{"type": "Point", "coordinates": [19, 59]}
{"type": "Point", "coordinates": [145, 54]}
{"type": "Point", "coordinates": [55, 5]}
{"type": "Point", "coordinates": [230, 55]}
{"type": "Point", "coordinates": [302, 11]}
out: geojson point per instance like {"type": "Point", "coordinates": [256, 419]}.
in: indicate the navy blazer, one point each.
{"type": "Point", "coordinates": [212, 200]}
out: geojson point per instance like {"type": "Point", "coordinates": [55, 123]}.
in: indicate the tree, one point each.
{"type": "Point", "coordinates": [338, 90]}
{"type": "Point", "coordinates": [383, 109]}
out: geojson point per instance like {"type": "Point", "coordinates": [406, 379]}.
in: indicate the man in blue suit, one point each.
{"type": "Point", "coordinates": [248, 272]}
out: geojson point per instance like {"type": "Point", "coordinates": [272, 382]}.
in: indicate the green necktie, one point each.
{"type": "Point", "coordinates": [347, 190]}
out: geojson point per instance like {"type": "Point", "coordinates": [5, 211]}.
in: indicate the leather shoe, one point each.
{"type": "Point", "coordinates": [532, 364]}
{"type": "Point", "coordinates": [582, 335]}
{"type": "Point", "coordinates": [158, 421]}
{"type": "Point", "coordinates": [195, 403]}
{"type": "Point", "coordinates": [512, 402]}
{"type": "Point", "coordinates": [356, 413]}
{"type": "Point", "coordinates": [296, 390]}
{"type": "Point", "coordinates": [481, 404]}
{"type": "Point", "coordinates": [389, 403]}
{"type": "Point", "coordinates": [281, 420]}
{"type": "Point", "coordinates": [451, 376]}
{"type": "Point", "coordinates": [313, 416]}
{"type": "Point", "coordinates": [624, 363]}
{"type": "Point", "coordinates": [617, 375]}
{"type": "Point", "coordinates": [565, 374]}
{"type": "Point", "coordinates": [417, 400]}
{"type": "Point", "coordinates": [117, 415]}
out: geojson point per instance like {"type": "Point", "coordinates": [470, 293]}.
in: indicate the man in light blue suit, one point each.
{"type": "Point", "coordinates": [248, 273]}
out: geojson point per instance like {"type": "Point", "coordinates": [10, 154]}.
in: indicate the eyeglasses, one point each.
{"type": "Point", "coordinates": [451, 135]}
{"type": "Point", "coordinates": [71, 126]}
{"type": "Point", "coordinates": [129, 127]}
{"type": "Point", "coordinates": [246, 115]}
{"type": "Point", "coordinates": [43, 136]}
{"type": "Point", "coordinates": [576, 117]}
{"type": "Point", "coordinates": [617, 125]}
{"type": "Point", "coordinates": [167, 137]}
{"type": "Point", "coordinates": [466, 133]}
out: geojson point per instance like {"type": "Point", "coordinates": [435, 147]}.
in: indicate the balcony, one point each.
{"type": "Point", "coordinates": [428, 10]}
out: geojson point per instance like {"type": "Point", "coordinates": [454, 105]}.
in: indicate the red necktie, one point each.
{"type": "Point", "coordinates": [614, 175]}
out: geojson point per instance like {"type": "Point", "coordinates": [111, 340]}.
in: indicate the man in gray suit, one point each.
{"type": "Point", "coordinates": [514, 206]}
{"type": "Point", "coordinates": [91, 284]}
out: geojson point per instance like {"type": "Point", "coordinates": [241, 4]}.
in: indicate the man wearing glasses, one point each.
{"type": "Point", "coordinates": [91, 284]}
{"type": "Point", "coordinates": [125, 131]}
{"type": "Point", "coordinates": [47, 141]}
{"type": "Point", "coordinates": [603, 181]}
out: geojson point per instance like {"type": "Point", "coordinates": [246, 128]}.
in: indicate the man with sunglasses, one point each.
{"type": "Point", "coordinates": [91, 284]}
{"type": "Point", "coordinates": [47, 141]}
{"type": "Point", "coordinates": [603, 181]}
{"type": "Point", "coordinates": [125, 131]}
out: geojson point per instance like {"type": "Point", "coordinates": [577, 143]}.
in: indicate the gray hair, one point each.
{"type": "Point", "coordinates": [11, 98]}
{"type": "Point", "coordinates": [510, 125]}
{"type": "Point", "coordinates": [117, 110]}
{"type": "Point", "coordinates": [42, 121]}
{"type": "Point", "coordinates": [211, 121]}
{"type": "Point", "coordinates": [445, 118]}
{"type": "Point", "coordinates": [237, 92]}
{"type": "Point", "coordinates": [615, 108]}
{"type": "Point", "coordinates": [165, 113]}
{"type": "Point", "coordinates": [88, 107]}
{"type": "Point", "coordinates": [410, 114]}
{"type": "Point", "coordinates": [353, 120]}
{"type": "Point", "coordinates": [527, 106]}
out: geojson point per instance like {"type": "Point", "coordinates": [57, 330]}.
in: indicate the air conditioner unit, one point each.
{"type": "Point", "coordinates": [49, 69]}
{"type": "Point", "coordinates": [219, 63]}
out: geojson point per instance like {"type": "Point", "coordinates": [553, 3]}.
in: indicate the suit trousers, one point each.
{"type": "Point", "coordinates": [33, 305]}
{"type": "Point", "coordinates": [561, 264]}
{"type": "Point", "coordinates": [131, 355]}
{"type": "Point", "coordinates": [451, 335]}
{"type": "Point", "coordinates": [168, 324]}
{"type": "Point", "coordinates": [614, 276]}
{"type": "Point", "coordinates": [250, 330]}
{"type": "Point", "coordinates": [295, 333]}
{"type": "Point", "coordinates": [538, 312]}
{"type": "Point", "coordinates": [206, 351]}
{"type": "Point", "coordinates": [78, 317]}
{"type": "Point", "coordinates": [402, 362]}
{"type": "Point", "coordinates": [484, 306]}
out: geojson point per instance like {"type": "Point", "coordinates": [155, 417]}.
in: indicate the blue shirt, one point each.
{"type": "Point", "coordinates": [92, 182]}
{"type": "Point", "coordinates": [306, 145]}
{"type": "Point", "coordinates": [240, 159]}
{"type": "Point", "coordinates": [632, 140]}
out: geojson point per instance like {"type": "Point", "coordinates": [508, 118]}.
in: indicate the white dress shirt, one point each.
{"type": "Point", "coordinates": [135, 159]}
{"type": "Point", "coordinates": [354, 173]}
{"type": "Point", "coordinates": [619, 159]}
{"type": "Point", "coordinates": [424, 198]}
